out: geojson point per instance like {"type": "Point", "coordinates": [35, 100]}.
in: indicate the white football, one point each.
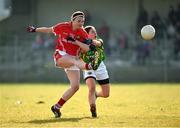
{"type": "Point", "coordinates": [148, 32]}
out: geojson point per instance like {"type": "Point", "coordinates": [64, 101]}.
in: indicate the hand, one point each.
{"type": "Point", "coordinates": [31, 29]}
{"type": "Point", "coordinates": [88, 41]}
{"type": "Point", "coordinates": [69, 38]}
{"type": "Point", "coordinates": [92, 47]}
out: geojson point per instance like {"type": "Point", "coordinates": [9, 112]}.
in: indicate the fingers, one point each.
{"type": "Point", "coordinates": [31, 29]}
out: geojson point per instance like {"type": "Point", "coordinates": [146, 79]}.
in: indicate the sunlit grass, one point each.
{"type": "Point", "coordinates": [148, 105]}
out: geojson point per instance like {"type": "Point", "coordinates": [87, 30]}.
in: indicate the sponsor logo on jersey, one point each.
{"type": "Point", "coordinates": [89, 73]}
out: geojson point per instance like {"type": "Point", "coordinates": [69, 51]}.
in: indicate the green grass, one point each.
{"type": "Point", "coordinates": [144, 105]}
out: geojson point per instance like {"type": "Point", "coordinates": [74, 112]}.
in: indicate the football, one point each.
{"type": "Point", "coordinates": [148, 32]}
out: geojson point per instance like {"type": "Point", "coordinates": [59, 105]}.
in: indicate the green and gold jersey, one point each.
{"type": "Point", "coordinates": [98, 53]}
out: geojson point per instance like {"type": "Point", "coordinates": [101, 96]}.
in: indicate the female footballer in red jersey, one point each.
{"type": "Point", "coordinates": [70, 37]}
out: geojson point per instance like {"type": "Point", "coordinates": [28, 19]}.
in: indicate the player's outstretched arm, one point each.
{"type": "Point", "coordinates": [45, 29]}
{"type": "Point", "coordinates": [40, 29]}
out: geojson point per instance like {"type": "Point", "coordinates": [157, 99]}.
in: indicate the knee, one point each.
{"type": "Point", "coordinates": [106, 95]}
{"type": "Point", "coordinates": [75, 88]}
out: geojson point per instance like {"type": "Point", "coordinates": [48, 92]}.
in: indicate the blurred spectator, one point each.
{"type": "Point", "coordinates": [172, 15]}
{"type": "Point", "coordinates": [177, 47]}
{"type": "Point", "coordinates": [142, 18]}
{"type": "Point", "coordinates": [122, 42]}
{"type": "Point", "coordinates": [104, 33]}
{"type": "Point", "coordinates": [88, 18]}
{"type": "Point", "coordinates": [158, 24]}
{"type": "Point", "coordinates": [39, 42]}
{"type": "Point", "coordinates": [49, 42]}
{"type": "Point", "coordinates": [143, 51]}
{"type": "Point", "coordinates": [178, 27]}
{"type": "Point", "coordinates": [178, 13]}
{"type": "Point", "coordinates": [171, 31]}
{"type": "Point", "coordinates": [112, 44]}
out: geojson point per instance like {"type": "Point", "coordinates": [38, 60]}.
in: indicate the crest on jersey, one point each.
{"type": "Point", "coordinates": [77, 37]}
{"type": "Point", "coordinates": [65, 33]}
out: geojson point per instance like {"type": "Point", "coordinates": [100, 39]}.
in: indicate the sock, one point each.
{"type": "Point", "coordinates": [60, 103]}
{"type": "Point", "coordinates": [93, 107]}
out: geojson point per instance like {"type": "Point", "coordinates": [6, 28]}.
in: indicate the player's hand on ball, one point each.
{"type": "Point", "coordinates": [31, 29]}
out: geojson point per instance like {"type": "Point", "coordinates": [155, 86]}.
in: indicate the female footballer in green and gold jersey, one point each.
{"type": "Point", "coordinates": [101, 74]}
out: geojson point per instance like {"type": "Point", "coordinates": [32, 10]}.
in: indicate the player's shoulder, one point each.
{"type": "Point", "coordinates": [82, 31]}
{"type": "Point", "coordinates": [99, 39]}
{"type": "Point", "coordinates": [63, 24]}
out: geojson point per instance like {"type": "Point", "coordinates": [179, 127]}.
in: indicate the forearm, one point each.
{"type": "Point", "coordinates": [44, 29]}
{"type": "Point", "coordinates": [83, 46]}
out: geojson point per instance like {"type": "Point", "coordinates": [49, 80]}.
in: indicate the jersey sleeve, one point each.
{"type": "Point", "coordinates": [57, 28]}
{"type": "Point", "coordinates": [84, 35]}
{"type": "Point", "coordinates": [99, 39]}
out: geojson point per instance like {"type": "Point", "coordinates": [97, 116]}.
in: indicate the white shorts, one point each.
{"type": "Point", "coordinates": [100, 74]}
{"type": "Point", "coordinates": [62, 53]}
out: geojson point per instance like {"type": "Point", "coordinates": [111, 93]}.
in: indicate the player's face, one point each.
{"type": "Point", "coordinates": [78, 22]}
{"type": "Point", "coordinates": [92, 33]}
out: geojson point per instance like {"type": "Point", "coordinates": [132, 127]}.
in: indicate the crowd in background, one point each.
{"type": "Point", "coordinates": [118, 44]}
{"type": "Point", "coordinates": [166, 28]}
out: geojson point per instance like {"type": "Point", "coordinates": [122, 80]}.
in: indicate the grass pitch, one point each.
{"type": "Point", "coordinates": [136, 105]}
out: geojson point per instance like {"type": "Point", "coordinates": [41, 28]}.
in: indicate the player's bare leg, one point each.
{"type": "Point", "coordinates": [105, 89]}
{"type": "Point", "coordinates": [91, 96]}
{"type": "Point", "coordinates": [67, 61]}
{"type": "Point", "coordinates": [92, 87]}
{"type": "Point", "coordinates": [74, 78]}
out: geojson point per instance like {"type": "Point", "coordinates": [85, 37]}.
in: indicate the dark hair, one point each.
{"type": "Point", "coordinates": [88, 28]}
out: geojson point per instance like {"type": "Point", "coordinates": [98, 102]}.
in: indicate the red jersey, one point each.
{"type": "Point", "coordinates": [63, 30]}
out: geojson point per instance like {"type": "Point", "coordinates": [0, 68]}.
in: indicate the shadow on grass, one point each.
{"type": "Point", "coordinates": [54, 120]}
